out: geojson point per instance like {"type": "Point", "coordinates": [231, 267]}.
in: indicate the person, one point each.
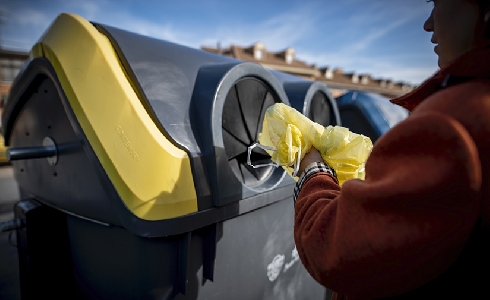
{"type": "Point", "coordinates": [418, 226]}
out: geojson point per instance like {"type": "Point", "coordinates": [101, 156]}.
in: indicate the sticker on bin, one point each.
{"type": "Point", "coordinates": [278, 264]}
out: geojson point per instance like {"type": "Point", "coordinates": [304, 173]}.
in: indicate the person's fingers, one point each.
{"type": "Point", "coordinates": [310, 157]}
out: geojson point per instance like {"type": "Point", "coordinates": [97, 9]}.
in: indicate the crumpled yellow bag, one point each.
{"type": "Point", "coordinates": [287, 135]}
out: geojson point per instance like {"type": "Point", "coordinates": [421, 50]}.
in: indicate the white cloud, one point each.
{"type": "Point", "coordinates": [374, 35]}
{"type": "Point", "coordinates": [366, 28]}
{"type": "Point", "coordinates": [32, 18]}
{"type": "Point", "coordinates": [144, 27]}
{"type": "Point", "coordinates": [376, 20]}
{"type": "Point", "coordinates": [277, 33]}
{"type": "Point", "coordinates": [24, 24]}
{"type": "Point", "coordinates": [413, 75]}
{"type": "Point", "coordinates": [86, 8]}
{"type": "Point", "coordinates": [360, 31]}
{"type": "Point", "coordinates": [115, 14]}
{"type": "Point", "coordinates": [21, 29]}
{"type": "Point", "coordinates": [407, 68]}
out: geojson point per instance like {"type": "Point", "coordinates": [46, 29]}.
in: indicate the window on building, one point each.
{"type": "Point", "coordinates": [406, 88]}
{"type": "Point", "coordinates": [329, 74]}
{"type": "Point", "coordinates": [9, 68]}
{"type": "Point", "coordinates": [289, 58]}
{"type": "Point", "coordinates": [258, 54]}
{"type": "Point", "coordinates": [355, 78]}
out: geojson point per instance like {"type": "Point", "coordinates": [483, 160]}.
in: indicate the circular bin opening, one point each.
{"type": "Point", "coordinates": [321, 111]}
{"type": "Point", "coordinates": [243, 113]}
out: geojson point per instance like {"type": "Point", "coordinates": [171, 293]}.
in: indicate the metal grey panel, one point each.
{"type": "Point", "coordinates": [255, 259]}
{"type": "Point", "coordinates": [69, 185]}
{"type": "Point", "coordinates": [164, 73]}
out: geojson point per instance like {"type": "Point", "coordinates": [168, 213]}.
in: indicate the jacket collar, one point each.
{"type": "Point", "coordinates": [475, 63]}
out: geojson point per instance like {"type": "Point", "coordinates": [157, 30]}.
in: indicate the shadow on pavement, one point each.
{"type": "Point", "coordinates": [9, 269]}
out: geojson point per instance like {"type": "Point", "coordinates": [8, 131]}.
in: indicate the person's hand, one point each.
{"type": "Point", "coordinates": [310, 157]}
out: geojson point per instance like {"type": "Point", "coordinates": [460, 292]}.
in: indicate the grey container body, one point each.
{"type": "Point", "coordinates": [239, 245]}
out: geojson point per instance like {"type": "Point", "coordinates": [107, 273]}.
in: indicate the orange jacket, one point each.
{"type": "Point", "coordinates": [418, 224]}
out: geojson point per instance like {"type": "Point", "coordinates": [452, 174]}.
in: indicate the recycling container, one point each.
{"type": "Point", "coordinates": [131, 158]}
{"type": "Point", "coordinates": [311, 98]}
{"type": "Point", "coordinates": [369, 114]}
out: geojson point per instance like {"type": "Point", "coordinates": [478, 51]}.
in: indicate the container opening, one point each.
{"type": "Point", "coordinates": [321, 111]}
{"type": "Point", "coordinates": [243, 113]}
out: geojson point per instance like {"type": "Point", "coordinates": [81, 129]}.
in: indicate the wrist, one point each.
{"type": "Point", "coordinates": [312, 156]}
{"type": "Point", "coordinates": [310, 170]}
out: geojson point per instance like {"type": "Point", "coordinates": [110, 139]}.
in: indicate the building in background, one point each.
{"type": "Point", "coordinates": [10, 64]}
{"type": "Point", "coordinates": [336, 79]}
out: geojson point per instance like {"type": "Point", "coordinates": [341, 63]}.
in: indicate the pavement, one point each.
{"type": "Point", "coordinates": [9, 263]}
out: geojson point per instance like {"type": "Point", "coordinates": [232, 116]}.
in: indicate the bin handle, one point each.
{"type": "Point", "coordinates": [295, 166]}
{"type": "Point", "coordinates": [249, 161]}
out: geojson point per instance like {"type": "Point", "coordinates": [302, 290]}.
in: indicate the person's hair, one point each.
{"type": "Point", "coordinates": [483, 3]}
{"type": "Point", "coordinates": [485, 7]}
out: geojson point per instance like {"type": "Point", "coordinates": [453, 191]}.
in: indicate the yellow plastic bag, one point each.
{"type": "Point", "coordinates": [288, 135]}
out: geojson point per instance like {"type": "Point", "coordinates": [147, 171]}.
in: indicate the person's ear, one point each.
{"type": "Point", "coordinates": [486, 22]}
{"type": "Point", "coordinates": [486, 17]}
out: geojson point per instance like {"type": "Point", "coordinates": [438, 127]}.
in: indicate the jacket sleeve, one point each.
{"type": "Point", "coordinates": [405, 223]}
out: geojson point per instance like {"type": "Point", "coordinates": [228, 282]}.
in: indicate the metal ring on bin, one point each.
{"type": "Point", "coordinates": [243, 113]}
{"type": "Point", "coordinates": [320, 106]}
{"type": "Point", "coordinates": [321, 111]}
{"type": "Point", "coordinates": [249, 154]}
{"type": "Point", "coordinates": [240, 124]}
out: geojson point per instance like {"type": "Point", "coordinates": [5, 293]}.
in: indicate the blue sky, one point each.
{"type": "Point", "coordinates": [383, 38]}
